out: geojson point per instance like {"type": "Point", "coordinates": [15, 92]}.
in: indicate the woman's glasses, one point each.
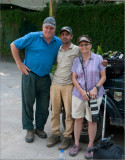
{"type": "Point", "coordinates": [84, 45]}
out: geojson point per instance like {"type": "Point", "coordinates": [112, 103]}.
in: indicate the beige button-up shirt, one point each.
{"type": "Point", "coordinates": [63, 74]}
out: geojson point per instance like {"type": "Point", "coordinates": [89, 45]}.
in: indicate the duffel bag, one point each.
{"type": "Point", "coordinates": [111, 152]}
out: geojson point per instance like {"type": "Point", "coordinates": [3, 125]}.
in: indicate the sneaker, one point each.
{"type": "Point", "coordinates": [29, 136]}
{"type": "Point", "coordinates": [65, 143]}
{"type": "Point", "coordinates": [54, 139]}
{"type": "Point", "coordinates": [74, 151]}
{"type": "Point", "coordinates": [89, 155]}
{"type": "Point", "coordinates": [41, 134]}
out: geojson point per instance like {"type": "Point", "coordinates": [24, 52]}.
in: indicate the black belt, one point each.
{"type": "Point", "coordinates": [38, 75]}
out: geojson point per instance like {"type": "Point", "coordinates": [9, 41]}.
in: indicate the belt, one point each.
{"type": "Point", "coordinates": [40, 76]}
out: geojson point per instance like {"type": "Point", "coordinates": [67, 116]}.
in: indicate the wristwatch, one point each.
{"type": "Point", "coordinates": [97, 87]}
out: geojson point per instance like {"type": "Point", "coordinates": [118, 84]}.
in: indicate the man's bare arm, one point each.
{"type": "Point", "coordinates": [16, 56]}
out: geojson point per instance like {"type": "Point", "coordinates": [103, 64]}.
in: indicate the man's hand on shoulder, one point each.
{"type": "Point", "coordinates": [104, 63]}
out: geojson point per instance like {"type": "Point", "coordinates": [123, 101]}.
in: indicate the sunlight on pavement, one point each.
{"type": "Point", "coordinates": [3, 74]}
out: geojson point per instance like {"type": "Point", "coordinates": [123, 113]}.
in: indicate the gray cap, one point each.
{"type": "Point", "coordinates": [66, 28]}
{"type": "Point", "coordinates": [49, 21]}
{"type": "Point", "coordinates": [84, 38]}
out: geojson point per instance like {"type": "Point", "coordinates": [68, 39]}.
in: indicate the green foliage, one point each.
{"type": "Point", "coordinates": [17, 23]}
{"type": "Point", "coordinates": [103, 23]}
{"type": "Point", "coordinates": [92, 50]}
{"type": "Point", "coordinates": [109, 54]}
{"type": "Point", "coordinates": [54, 68]}
{"type": "Point", "coordinates": [99, 50]}
{"type": "Point", "coordinates": [70, 2]}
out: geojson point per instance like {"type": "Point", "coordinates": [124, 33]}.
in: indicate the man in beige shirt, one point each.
{"type": "Point", "coordinates": [61, 90]}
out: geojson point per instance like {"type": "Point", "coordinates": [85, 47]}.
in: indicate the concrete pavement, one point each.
{"type": "Point", "coordinates": [12, 144]}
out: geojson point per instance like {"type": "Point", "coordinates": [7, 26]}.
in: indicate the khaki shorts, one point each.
{"type": "Point", "coordinates": [80, 109]}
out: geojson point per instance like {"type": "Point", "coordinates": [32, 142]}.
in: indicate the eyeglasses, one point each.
{"type": "Point", "coordinates": [84, 45]}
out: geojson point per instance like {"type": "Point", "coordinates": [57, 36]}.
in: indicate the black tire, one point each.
{"type": "Point", "coordinates": [84, 134]}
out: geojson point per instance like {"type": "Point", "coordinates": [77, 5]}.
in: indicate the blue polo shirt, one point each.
{"type": "Point", "coordinates": [39, 55]}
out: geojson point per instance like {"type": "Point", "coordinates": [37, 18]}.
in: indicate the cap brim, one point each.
{"type": "Point", "coordinates": [48, 24]}
{"type": "Point", "coordinates": [84, 39]}
{"type": "Point", "coordinates": [65, 30]}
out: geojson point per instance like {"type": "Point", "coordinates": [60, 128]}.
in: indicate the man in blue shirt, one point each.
{"type": "Point", "coordinates": [41, 50]}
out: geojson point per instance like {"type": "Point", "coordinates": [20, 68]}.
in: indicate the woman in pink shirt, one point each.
{"type": "Point", "coordinates": [88, 77]}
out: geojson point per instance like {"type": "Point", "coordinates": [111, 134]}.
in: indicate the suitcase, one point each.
{"type": "Point", "coordinates": [115, 68]}
{"type": "Point", "coordinates": [105, 148]}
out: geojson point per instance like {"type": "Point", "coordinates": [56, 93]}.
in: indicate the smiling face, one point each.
{"type": "Point", "coordinates": [48, 31]}
{"type": "Point", "coordinates": [66, 37]}
{"type": "Point", "coordinates": [85, 47]}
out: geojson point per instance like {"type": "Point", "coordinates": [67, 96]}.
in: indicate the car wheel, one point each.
{"type": "Point", "coordinates": [84, 134]}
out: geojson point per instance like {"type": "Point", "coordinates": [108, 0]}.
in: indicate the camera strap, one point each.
{"type": "Point", "coordinates": [81, 60]}
{"type": "Point", "coordinates": [92, 103]}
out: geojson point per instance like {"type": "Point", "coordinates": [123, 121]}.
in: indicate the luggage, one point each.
{"type": "Point", "coordinates": [115, 66]}
{"type": "Point", "coordinates": [105, 148]}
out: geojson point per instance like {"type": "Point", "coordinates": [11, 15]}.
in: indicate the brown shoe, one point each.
{"type": "Point", "coordinates": [29, 136]}
{"type": "Point", "coordinates": [41, 134]}
{"type": "Point", "coordinates": [65, 143]}
{"type": "Point", "coordinates": [53, 139]}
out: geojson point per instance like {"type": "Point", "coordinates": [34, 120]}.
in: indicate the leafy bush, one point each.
{"type": "Point", "coordinates": [103, 23]}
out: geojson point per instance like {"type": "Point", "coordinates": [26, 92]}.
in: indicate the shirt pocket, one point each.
{"type": "Point", "coordinates": [59, 58]}
{"type": "Point", "coordinates": [70, 59]}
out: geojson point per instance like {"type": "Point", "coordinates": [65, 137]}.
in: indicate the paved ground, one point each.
{"type": "Point", "coordinates": [12, 143]}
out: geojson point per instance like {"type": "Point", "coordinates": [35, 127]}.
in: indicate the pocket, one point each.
{"type": "Point", "coordinates": [24, 76]}
{"type": "Point", "coordinates": [59, 58]}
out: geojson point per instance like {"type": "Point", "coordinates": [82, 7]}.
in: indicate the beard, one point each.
{"type": "Point", "coordinates": [65, 41]}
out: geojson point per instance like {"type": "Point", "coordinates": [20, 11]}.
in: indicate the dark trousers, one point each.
{"type": "Point", "coordinates": [35, 88]}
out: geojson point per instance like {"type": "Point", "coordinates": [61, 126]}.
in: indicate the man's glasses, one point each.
{"type": "Point", "coordinates": [84, 45]}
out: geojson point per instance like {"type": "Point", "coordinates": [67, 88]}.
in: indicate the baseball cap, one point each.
{"type": "Point", "coordinates": [84, 38]}
{"type": "Point", "coordinates": [49, 21]}
{"type": "Point", "coordinates": [66, 28]}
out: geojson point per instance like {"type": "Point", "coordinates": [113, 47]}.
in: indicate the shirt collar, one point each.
{"type": "Point", "coordinates": [70, 47]}
{"type": "Point", "coordinates": [92, 55]}
{"type": "Point", "coordinates": [41, 35]}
